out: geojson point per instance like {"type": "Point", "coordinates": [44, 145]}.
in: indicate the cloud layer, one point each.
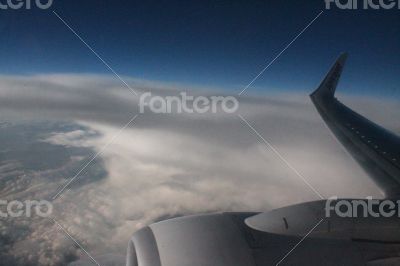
{"type": "Point", "coordinates": [162, 165]}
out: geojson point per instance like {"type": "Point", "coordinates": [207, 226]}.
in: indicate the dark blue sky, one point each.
{"type": "Point", "coordinates": [218, 43]}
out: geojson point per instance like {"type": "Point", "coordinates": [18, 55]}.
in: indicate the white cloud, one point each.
{"type": "Point", "coordinates": [166, 165]}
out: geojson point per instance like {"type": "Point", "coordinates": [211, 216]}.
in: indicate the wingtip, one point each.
{"type": "Point", "coordinates": [344, 54]}
{"type": "Point", "coordinates": [328, 86]}
{"type": "Point", "coordinates": [343, 58]}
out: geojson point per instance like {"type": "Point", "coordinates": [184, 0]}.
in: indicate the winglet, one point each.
{"type": "Point", "coordinates": [326, 90]}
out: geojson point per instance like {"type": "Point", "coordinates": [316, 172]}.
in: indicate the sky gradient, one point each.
{"type": "Point", "coordinates": [217, 44]}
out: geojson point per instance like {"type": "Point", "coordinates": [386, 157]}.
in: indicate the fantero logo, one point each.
{"type": "Point", "coordinates": [25, 4]}
{"type": "Point", "coordinates": [184, 103]}
{"type": "Point", "coordinates": [27, 208]}
{"type": "Point", "coordinates": [363, 4]}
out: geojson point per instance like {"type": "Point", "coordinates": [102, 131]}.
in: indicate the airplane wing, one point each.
{"type": "Point", "coordinates": [375, 149]}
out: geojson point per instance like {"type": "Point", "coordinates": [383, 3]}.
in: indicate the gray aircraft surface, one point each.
{"type": "Point", "coordinates": [301, 234]}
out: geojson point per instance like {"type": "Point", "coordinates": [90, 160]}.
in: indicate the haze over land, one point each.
{"type": "Point", "coordinates": [161, 166]}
